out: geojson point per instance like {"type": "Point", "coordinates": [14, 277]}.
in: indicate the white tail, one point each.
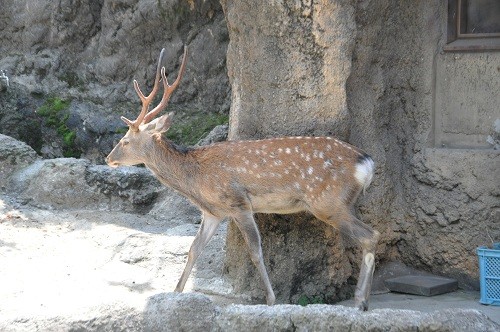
{"type": "Point", "coordinates": [236, 179]}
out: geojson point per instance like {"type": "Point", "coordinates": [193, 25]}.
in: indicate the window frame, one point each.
{"type": "Point", "coordinates": [470, 42]}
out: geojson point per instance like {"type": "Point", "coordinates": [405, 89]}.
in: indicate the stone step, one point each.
{"type": "Point", "coordinates": [422, 285]}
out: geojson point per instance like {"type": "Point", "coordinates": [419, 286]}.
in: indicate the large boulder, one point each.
{"type": "Point", "coordinates": [68, 183]}
{"type": "Point", "coordinates": [14, 155]}
{"type": "Point", "coordinates": [288, 63]}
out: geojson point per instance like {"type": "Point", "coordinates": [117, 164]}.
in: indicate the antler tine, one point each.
{"type": "Point", "coordinates": [146, 100]}
{"type": "Point", "coordinates": [168, 89]}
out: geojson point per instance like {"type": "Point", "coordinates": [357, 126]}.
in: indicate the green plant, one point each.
{"type": "Point", "coordinates": [189, 129]}
{"type": "Point", "coordinates": [121, 130]}
{"type": "Point", "coordinates": [304, 300]}
{"type": "Point", "coordinates": [53, 110]}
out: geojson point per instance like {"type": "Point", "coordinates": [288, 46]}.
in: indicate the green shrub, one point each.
{"type": "Point", "coordinates": [54, 112]}
{"type": "Point", "coordinates": [304, 300]}
{"type": "Point", "coordinates": [190, 128]}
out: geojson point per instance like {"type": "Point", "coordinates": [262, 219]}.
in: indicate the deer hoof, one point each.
{"type": "Point", "coordinates": [270, 299]}
{"type": "Point", "coordinates": [362, 306]}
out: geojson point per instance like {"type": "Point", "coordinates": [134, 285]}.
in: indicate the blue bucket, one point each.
{"type": "Point", "coordinates": [489, 274]}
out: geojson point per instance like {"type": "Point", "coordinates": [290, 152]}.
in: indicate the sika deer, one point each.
{"type": "Point", "coordinates": [236, 179]}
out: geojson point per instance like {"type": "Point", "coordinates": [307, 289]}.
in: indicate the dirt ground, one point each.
{"type": "Point", "coordinates": [77, 263]}
{"type": "Point", "coordinates": [60, 263]}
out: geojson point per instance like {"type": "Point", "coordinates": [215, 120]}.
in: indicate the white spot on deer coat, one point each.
{"type": "Point", "coordinates": [310, 170]}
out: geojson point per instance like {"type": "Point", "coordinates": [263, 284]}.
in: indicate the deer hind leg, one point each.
{"type": "Point", "coordinates": [365, 237]}
{"type": "Point", "coordinates": [207, 229]}
{"type": "Point", "coordinates": [246, 224]}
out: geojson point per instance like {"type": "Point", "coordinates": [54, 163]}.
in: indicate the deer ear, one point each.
{"type": "Point", "coordinates": [163, 123]}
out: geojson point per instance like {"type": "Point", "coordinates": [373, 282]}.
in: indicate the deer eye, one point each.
{"type": "Point", "coordinates": [125, 142]}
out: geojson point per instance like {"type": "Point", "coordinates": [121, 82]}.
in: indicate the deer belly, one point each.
{"type": "Point", "coordinates": [276, 203]}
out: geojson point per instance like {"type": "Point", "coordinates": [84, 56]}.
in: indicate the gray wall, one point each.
{"type": "Point", "coordinates": [375, 74]}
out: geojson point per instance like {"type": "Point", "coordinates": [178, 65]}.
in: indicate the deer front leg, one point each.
{"type": "Point", "coordinates": [207, 229]}
{"type": "Point", "coordinates": [248, 228]}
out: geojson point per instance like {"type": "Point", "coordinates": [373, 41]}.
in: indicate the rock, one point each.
{"type": "Point", "coordinates": [325, 318]}
{"type": "Point", "coordinates": [4, 81]}
{"type": "Point", "coordinates": [194, 312]}
{"type": "Point", "coordinates": [96, 51]}
{"type": "Point", "coordinates": [179, 312]}
{"type": "Point", "coordinates": [134, 187]}
{"type": "Point", "coordinates": [69, 183]}
{"type": "Point", "coordinates": [14, 156]}
{"type": "Point", "coordinates": [175, 208]}
{"type": "Point", "coordinates": [300, 55]}
{"type": "Point", "coordinates": [218, 134]}
{"type": "Point", "coordinates": [97, 48]}
{"type": "Point", "coordinates": [18, 118]}
{"type": "Point", "coordinates": [288, 64]}
{"type": "Point", "coordinates": [362, 71]}
{"type": "Point", "coordinates": [306, 261]}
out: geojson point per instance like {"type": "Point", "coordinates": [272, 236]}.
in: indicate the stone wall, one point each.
{"type": "Point", "coordinates": [288, 63]}
{"type": "Point", "coordinates": [88, 52]}
{"type": "Point", "coordinates": [373, 73]}
{"type": "Point", "coordinates": [93, 49]}
{"type": "Point", "coordinates": [364, 72]}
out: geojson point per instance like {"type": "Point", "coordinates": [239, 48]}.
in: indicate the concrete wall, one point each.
{"type": "Point", "coordinates": [435, 196]}
{"type": "Point", "coordinates": [466, 98]}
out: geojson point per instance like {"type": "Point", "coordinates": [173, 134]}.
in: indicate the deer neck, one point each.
{"type": "Point", "coordinates": [174, 166]}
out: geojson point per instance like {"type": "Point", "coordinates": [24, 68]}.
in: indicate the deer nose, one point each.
{"type": "Point", "coordinates": [108, 161]}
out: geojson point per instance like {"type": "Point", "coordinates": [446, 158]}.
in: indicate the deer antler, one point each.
{"type": "Point", "coordinates": [168, 90]}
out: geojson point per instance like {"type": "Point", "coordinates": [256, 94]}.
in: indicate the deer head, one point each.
{"type": "Point", "coordinates": [131, 150]}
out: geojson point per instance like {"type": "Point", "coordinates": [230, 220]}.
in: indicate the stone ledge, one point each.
{"type": "Point", "coordinates": [196, 312]}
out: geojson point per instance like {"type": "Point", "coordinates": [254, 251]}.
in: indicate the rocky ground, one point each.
{"type": "Point", "coordinates": [89, 248]}
{"type": "Point", "coordinates": [58, 263]}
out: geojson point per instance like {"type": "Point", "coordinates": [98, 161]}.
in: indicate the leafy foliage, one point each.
{"type": "Point", "coordinates": [189, 129]}
{"type": "Point", "coordinates": [53, 110]}
{"type": "Point", "coordinates": [305, 300]}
